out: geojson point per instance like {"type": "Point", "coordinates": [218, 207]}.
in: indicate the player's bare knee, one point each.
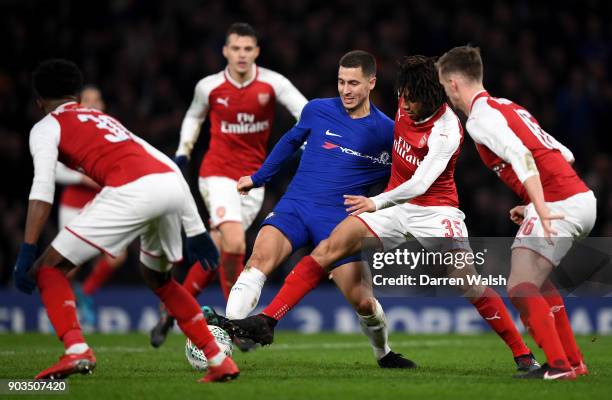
{"type": "Point", "coordinates": [323, 252]}
{"type": "Point", "coordinates": [365, 306]}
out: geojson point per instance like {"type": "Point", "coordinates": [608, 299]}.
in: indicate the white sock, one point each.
{"type": "Point", "coordinates": [77, 348]}
{"type": "Point", "coordinates": [375, 328]}
{"type": "Point", "coordinates": [217, 360]}
{"type": "Point", "coordinates": [245, 293]}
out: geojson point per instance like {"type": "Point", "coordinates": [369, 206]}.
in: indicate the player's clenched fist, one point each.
{"type": "Point", "coordinates": [358, 204]}
{"type": "Point", "coordinates": [245, 183]}
{"type": "Point", "coordinates": [517, 214]}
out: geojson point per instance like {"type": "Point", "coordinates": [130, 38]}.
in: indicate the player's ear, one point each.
{"type": "Point", "coordinates": [225, 50]}
{"type": "Point", "coordinates": [453, 83]}
{"type": "Point", "coordinates": [372, 82]}
{"type": "Point", "coordinates": [256, 51]}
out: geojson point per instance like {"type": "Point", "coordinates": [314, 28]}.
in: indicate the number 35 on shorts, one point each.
{"type": "Point", "coordinates": [452, 227]}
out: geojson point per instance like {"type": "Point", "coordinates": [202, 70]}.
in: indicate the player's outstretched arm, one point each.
{"type": "Point", "coordinates": [282, 151]}
{"type": "Point", "coordinates": [442, 146]}
{"type": "Point", "coordinates": [286, 147]}
{"type": "Point", "coordinates": [358, 204]}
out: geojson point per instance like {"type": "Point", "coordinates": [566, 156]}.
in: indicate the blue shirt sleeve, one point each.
{"type": "Point", "coordinates": [288, 144]}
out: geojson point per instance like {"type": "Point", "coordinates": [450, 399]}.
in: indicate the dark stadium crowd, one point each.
{"type": "Point", "coordinates": [146, 56]}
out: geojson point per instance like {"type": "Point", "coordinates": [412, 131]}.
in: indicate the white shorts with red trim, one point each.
{"type": "Point", "coordinates": [66, 214]}
{"type": "Point", "coordinates": [580, 212]}
{"type": "Point", "coordinates": [428, 224]}
{"type": "Point", "coordinates": [149, 208]}
{"type": "Point", "coordinates": [225, 204]}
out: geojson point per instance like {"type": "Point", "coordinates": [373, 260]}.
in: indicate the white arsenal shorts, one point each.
{"type": "Point", "coordinates": [149, 208]}
{"type": "Point", "coordinates": [427, 224]}
{"type": "Point", "coordinates": [580, 211]}
{"type": "Point", "coordinates": [225, 204]}
{"type": "Point", "coordinates": [67, 214]}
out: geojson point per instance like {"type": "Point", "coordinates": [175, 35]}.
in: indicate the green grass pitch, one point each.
{"type": "Point", "coordinates": [318, 366]}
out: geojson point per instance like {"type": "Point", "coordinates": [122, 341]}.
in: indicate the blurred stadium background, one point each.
{"type": "Point", "coordinates": [147, 55]}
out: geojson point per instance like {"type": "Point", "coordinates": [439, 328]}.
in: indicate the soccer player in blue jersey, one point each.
{"type": "Point", "coordinates": [348, 151]}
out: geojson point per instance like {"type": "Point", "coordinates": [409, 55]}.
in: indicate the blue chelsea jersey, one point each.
{"type": "Point", "coordinates": [342, 155]}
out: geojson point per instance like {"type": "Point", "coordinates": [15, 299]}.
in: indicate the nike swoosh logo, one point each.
{"type": "Point", "coordinates": [329, 133]}
{"type": "Point", "coordinates": [555, 376]}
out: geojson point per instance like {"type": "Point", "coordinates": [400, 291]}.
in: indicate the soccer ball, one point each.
{"type": "Point", "coordinates": [196, 357]}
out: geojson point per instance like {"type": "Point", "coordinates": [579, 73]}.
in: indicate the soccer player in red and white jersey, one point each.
{"type": "Point", "coordinates": [420, 201]}
{"type": "Point", "coordinates": [240, 103]}
{"type": "Point", "coordinates": [143, 195]}
{"type": "Point", "coordinates": [79, 191]}
{"type": "Point", "coordinates": [555, 202]}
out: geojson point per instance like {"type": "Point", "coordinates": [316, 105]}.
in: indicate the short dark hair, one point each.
{"type": "Point", "coordinates": [57, 79]}
{"type": "Point", "coordinates": [359, 58]}
{"type": "Point", "coordinates": [241, 29]}
{"type": "Point", "coordinates": [464, 59]}
{"type": "Point", "coordinates": [418, 78]}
